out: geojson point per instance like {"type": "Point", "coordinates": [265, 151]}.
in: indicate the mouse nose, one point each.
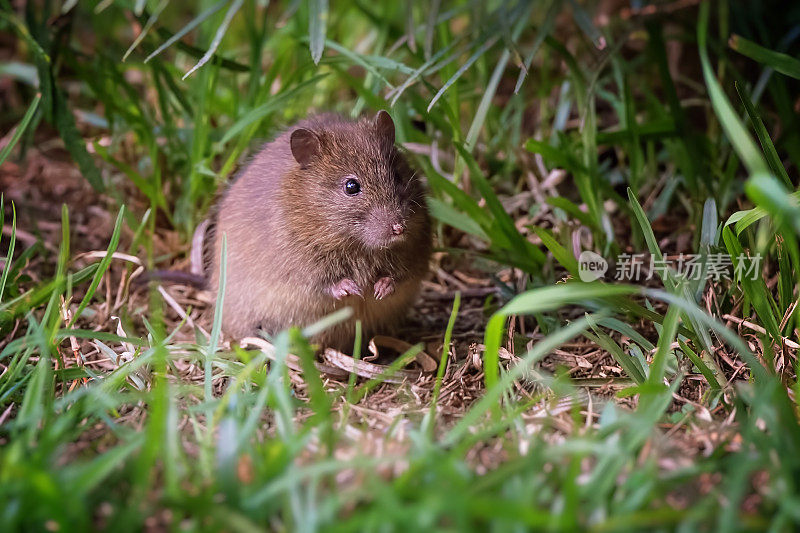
{"type": "Point", "coordinates": [398, 229]}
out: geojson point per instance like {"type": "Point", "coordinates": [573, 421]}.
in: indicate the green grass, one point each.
{"type": "Point", "coordinates": [170, 100]}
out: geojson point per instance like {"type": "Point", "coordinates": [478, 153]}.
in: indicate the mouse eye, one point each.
{"type": "Point", "coordinates": [352, 187]}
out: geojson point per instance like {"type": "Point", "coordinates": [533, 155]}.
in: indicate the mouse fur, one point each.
{"type": "Point", "coordinates": [300, 245]}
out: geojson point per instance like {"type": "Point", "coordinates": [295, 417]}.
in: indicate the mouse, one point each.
{"type": "Point", "coordinates": [327, 215]}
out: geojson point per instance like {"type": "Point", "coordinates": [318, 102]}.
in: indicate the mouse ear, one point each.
{"type": "Point", "coordinates": [385, 126]}
{"type": "Point", "coordinates": [305, 146]}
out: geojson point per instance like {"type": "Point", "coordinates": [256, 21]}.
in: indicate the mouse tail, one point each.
{"type": "Point", "coordinates": [196, 277]}
{"type": "Point", "coordinates": [199, 248]}
{"type": "Point", "coordinates": [174, 277]}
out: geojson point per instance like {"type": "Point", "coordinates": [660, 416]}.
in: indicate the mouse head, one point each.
{"type": "Point", "coordinates": [358, 185]}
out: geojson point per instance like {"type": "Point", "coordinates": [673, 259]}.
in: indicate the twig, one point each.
{"type": "Point", "coordinates": [759, 329]}
{"type": "Point", "coordinates": [465, 293]}
{"type": "Point", "coordinates": [653, 9]}
{"type": "Point", "coordinates": [5, 414]}
{"type": "Point", "coordinates": [181, 313]}
{"type": "Point", "coordinates": [66, 314]}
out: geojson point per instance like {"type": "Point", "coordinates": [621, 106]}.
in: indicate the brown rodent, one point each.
{"type": "Point", "coordinates": [327, 215]}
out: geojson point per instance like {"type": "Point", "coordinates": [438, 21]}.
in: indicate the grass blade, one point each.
{"type": "Point", "coordinates": [493, 393]}
{"type": "Point", "coordinates": [199, 19]}
{"type": "Point", "coordinates": [735, 130]}
{"type": "Point", "coordinates": [560, 254]}
{"type": "Point", "coordinates": [540, 300]}
{"type": "Point", "coordinates": [10, 255]}
{"type": "Point", "coordinates": [716, 382]}
{"type": "Point", "coordinates": [223, 28]}
{"type": "Point", "coordinates": [531, 253]}
{"type": "Point", "coordinates": [541, 35]}
{"type": "Point", "coordinates": [628, 363]}
{"type": "Point", "coordinates": [21, 127]}
{"type": "Point", "coordinates": [274, 103]}
{"type": "Point", "coordinates": [430, 27]}
{"type": "Point", "coordinates": [773, 160]}
{"type": "Point", "coordinates": [85, 477]}
{"type": "Point", "coordinates": [663, 348]}
{"type": "Point", "coordinates": [216, 329]}
{"type": "Point", "coordinates": [485, 46]}
{"type": "Point", "coordinates": [448, 335]}
{"type": "Point", "coordinates": [782, 63]}
{"type": "Point", "coordinates": [317, 27]}
{"type": "Point", "coordinates": [584, 22]}
{"type": "Point", "coordinates": [102, 268]}
{"type": "Point", "coordinates": [452, 217]}
{"type": "Point", "coordinates": [146, 28]}
{"type": "Point", "coordinates": [65, 123]}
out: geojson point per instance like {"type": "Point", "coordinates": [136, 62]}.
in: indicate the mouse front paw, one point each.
{"type": "Point", "coordinates": [384, 287]}
{"type": "Point", "coordinates": [345, 287]}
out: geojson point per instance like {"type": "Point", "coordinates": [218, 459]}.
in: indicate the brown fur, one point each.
{"type": "Point", "coordinates": [292, 233]}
